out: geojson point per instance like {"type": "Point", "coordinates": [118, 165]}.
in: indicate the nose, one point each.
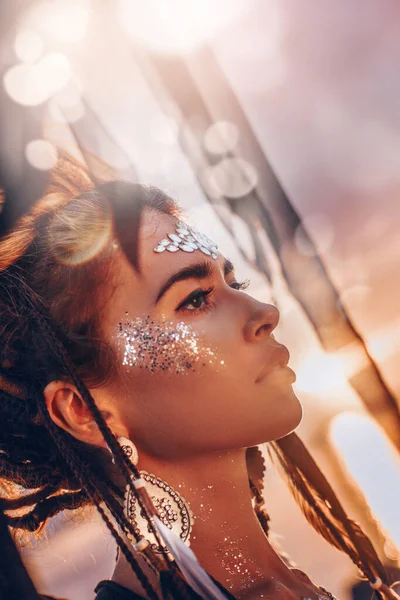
{"type": "Point", "coordinates": [262, 322]}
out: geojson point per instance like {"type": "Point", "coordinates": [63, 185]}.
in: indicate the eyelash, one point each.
{"type": "Point", "coordinates": [205, 294]}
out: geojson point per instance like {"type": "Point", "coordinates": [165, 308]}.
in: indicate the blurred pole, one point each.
{"type": "Point", "coordinates": [306, 276]}
{"type": "Point", "coordinates": [21, 183]}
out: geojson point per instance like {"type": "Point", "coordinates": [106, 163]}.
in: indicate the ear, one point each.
{"type": "Point", "coordinates": [69, 411]}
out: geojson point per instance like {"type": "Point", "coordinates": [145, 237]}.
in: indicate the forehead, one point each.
{"type": "Point", "coordinates": [137, 291]}
{"type": "Point", "coordinates": [154, 227]}
{"type": "Point", "coordinates": [168, 236]}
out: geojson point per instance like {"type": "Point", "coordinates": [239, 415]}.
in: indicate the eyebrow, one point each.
{"type": "Point", "coordinates": [200, 270]}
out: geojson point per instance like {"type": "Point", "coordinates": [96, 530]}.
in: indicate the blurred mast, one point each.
{"type": "Point", "coordinates": [20, 182]}
{"type": "Point", "coordinates": [307, 277]}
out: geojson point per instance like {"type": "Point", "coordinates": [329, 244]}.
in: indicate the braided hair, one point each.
{"type": "Point", "coordinates": [47, 333]}
{"type": "Point", "coordinates": [50, 332]}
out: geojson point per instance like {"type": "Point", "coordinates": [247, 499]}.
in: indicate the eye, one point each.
{"type": "Point", "coordinates": [240, 285]}
{"type": "Point", "coordinates": [197, 300]}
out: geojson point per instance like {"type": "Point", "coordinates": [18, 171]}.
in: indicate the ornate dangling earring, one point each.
{"type": "Point", "coordinates": [171, 508]}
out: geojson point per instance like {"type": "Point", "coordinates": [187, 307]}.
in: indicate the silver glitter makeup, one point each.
{"type": "Point", "coordinates": [237, 565]}
{"type": "Point", "coordinates": [168, 346]}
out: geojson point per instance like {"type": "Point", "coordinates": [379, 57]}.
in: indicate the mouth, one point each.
{"type": "Point", "coordinates": [278, 362]}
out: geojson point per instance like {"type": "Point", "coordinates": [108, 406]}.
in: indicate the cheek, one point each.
{"type": "Point", "coordinates": [171, 372]}
{"type": "Point", "coordinates": [169, 347]}
{"type": "Point", "coordinates": [183, 384]}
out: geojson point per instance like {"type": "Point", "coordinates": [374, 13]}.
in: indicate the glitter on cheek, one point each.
{"type": "Point", "coordinates": [162, 346]}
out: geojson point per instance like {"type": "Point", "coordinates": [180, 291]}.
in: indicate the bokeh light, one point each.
{"type": "Point", "coordinates": [174, 26]}
{"type": "Point", "coordinates": [64, 22]}
{"type": "Point", "coordinates": [41, 154]}
{"type": "Point", "coordinates": [221, 137]}
{"type": "Point", "coordinates": [231, 177]}
{"type": "Point", "coordinates": [31, 85]}
{"type": "Point", "coordinates": [320, 372]}
{"type": "Point", "coordinates": [79, 232]}
{"type": "Point", "coordinates": [28, 46]}
{"type": "Point", "coordinates": [54, 72]}
{"type": "Point", "coordinates": [19, 83]}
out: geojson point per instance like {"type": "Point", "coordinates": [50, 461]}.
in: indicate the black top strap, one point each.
{"type": "Point", "coordinates": [109, 590]}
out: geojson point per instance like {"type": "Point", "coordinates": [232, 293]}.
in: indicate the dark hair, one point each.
{"type": "Point", "coordinates": [49, 331]}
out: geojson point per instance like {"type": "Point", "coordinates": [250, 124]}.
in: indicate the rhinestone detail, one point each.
{"type": "Point", "coordinates": [188, 239]}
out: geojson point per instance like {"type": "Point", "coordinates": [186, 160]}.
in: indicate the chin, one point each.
{"type": "Point", "coordinates": [294, 413]}
{"type": "Point", "coordinates": [288, 419]}
{"type": "Point", "coordinates": [293, 425]}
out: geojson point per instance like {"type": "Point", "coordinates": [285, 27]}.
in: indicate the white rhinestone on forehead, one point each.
{"type": "Point", "coordinates": [188, 239]}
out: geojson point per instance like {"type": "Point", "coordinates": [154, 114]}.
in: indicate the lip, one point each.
{"type": "Point", "coordinates": [279, 360]}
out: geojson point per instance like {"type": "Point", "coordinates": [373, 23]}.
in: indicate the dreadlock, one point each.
{"type": "Point", "coordinates": [63, 245]}
{"type": "Point", "coordinates": [324, 512]}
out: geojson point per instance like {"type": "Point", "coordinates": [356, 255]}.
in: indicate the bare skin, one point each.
{"type": "Point", "coordinates": [192, 428]}
{"type": "Point", "coordinates": [226, 527]}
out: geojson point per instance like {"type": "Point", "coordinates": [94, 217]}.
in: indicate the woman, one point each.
{"type": "Point", "coordinates": [156, 379]}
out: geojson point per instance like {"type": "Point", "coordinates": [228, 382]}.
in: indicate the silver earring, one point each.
{"type": "Point", "coordinates": [171, 509]}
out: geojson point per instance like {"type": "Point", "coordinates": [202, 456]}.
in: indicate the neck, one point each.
{"type": "Point", "coordinates": [226, 537]}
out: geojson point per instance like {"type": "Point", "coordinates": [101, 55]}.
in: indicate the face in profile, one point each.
{"type": "Point", "coordinates": [199, 369]}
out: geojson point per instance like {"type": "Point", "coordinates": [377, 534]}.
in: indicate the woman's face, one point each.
{"type": "Point", "coordinates": [199, 368]}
